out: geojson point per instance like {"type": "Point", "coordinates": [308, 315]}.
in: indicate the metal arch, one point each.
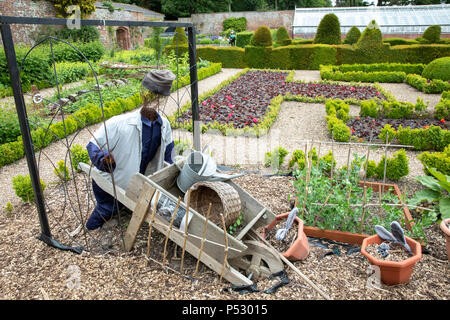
{"type": "Point", "coordinates": [14, 72]}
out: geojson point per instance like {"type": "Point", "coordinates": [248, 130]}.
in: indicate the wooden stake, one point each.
{"type": "Point", "coordinates": [364, 209]}
{"type": "Point", "coordinates": [385, 160]}
{"type": "Point", "coordinates": [348, 159]}
{"type": "Point", "coordinates": [170, 229]}
{"type": "Point", "coordinates": [186, 220]}
{"type": "Point", "coordinates": [203, 239]}
{"type": "Point", "coordinates": [318, 155]}
{"type": "Point", "coordinates": [226, 248]}
{"type": "Point", "coordinates": [151, 223]}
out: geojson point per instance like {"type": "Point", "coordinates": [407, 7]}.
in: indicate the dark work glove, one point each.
{"type": "Point", "coordinates": [109, 164]}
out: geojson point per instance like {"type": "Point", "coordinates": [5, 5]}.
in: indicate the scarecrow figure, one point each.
{"type": "Point", "coordinates": [139, 141]}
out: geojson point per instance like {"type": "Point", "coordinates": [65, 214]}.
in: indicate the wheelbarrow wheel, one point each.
{"type": "Point", "coordinates": [258, 260]}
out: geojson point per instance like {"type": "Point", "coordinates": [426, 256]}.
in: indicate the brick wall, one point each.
{"type": "Point", "coordinates": [26, 8]}
{"type": "Point", "coordinates": [40, 8]}
{"type": "Point", "coordinates": [211, 23]}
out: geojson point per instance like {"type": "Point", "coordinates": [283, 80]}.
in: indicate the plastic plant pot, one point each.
{"type": "Point", "coordinates": [446, 229]}
{"type": "Point", "coordinates": [393, 272]}
{"type": "Point", "coordinates": [300, 248]}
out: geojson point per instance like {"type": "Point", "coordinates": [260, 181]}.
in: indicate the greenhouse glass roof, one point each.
{"type": "Point", "coordinates": [392, 20]}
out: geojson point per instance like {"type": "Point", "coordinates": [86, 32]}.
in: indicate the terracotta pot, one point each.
{"type": "Point", "coordinates": [393, 272]}
{"type": "Point", "coordinates": [446, 230]}
{"type": "Point", "coordinates": [300, 248]}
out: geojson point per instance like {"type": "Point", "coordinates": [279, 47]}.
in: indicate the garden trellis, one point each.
{"type": "Point", "coordinates": [15, 72]}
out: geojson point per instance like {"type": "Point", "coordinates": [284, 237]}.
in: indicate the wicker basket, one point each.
{"type": "Point", "coordinates": [223, 197]}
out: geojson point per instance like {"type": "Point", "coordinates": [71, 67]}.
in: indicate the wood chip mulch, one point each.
{"type": "Point", "coordinates": [30, 269]}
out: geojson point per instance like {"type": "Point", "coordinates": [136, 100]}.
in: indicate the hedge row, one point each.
{"type": "Point", "coordinates": [311, 56]}
{"type": "Point", "coordinates": [391, 109]}
{"type": "Point", "coordinates": [426, 85]}
{"type": "Point", "coordinates": [87, 115]}
{"type": "Point", "coordinates": [438, 160]}
{"type": "Point", "coordinates": [337, 116]}
{"type": "Point", "coordinates": [37, 66]}
{"type": "Point", "coordinates": [442, 109]}
{"type": "Point", "coordinates": [327, 73]}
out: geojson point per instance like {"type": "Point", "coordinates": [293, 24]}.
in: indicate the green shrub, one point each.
{"type": "Point", "coordinates": [341, 132]}
{"type": "Point", "coordinates": [329, 30]}
{"type": "Point", "coordinates": [276, 157]}
{"type": "Point", "coordinates": [79, 154]}
{"type": "Point", "coordinates": [370, 44]}
{"type": "Point", "coordinates": [84, 34]}
{"type": "Point", "coordinates": [23, 187]}
{"type": "Point", "coordinates": [236, 24]}
{"type": "Point", "coordinates": [179, 38]}
{"type": "Point", "coordinates": [229, 57]}
{"type": "Point", "coordinates": [396, 167]}
{"type": "Point", "coordinates": [371, 168]}
{"type": "Point", "coordinates": [283, 37]}
{"type": "Point", "coordinates": [257, 56]}
{"type": "Point", "coordinates": [422, 53]}
{"type": "Point", "coordinates": [369, 108]}
{"type": "Point", "coordinates": [438, 69]}
{"type": "Point", "coordinates": [352, 36]}
{"type": "Point", "coordinates": [432, 138]}
{"type": "Point", "coordinates": [71, 71]}
{"type": "Point", "coordinates": [432, 34]}
{"type": "Point", "coordinates": [243, 38]}
{"type": "Point", "coordinates": [438, 160]}
{"type": "Point", "coordinates": [387, 132]}
{"type": "Point", "coordinates": [442, 110]}
{"type": "Point", "coordinates": [93, 51]}
{"type": "Point", "coordinates": [399, 41]}
{"type": "Point", "coordinates": [262, 37]}
{"type": "Point", "coordinates": [62, 171]}
{"type": "Point", "coordinates": [426, 85]}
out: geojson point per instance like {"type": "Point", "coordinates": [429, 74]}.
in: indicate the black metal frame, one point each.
{"type": "Point", "coordinates": [14, 72]}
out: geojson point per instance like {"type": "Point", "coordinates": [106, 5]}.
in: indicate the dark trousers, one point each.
{"type": "Point", "coordinates": [106, 207]}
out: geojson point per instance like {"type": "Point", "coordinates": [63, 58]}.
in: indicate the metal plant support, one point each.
{"type": "Point", "coordinates": [14, 69]}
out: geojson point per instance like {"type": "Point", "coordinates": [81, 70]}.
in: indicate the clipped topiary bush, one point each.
{"type": "Point", "coordinates": [23, 187]}
{"type": "Point", "coordinates": [236, 24]}
{"type": "Point", "coordinates": [432, 34]}
{"type": "Point", "coordinates": [262, 37]}
{"type": "Point", "coordinates": [329, 30]}
{"type": "Point", "coordinates": [283, 37]}
{"type": "Point", "coordinates": [438, 69]}
{"type": "Point", "coordinates": [179, 38]}
{"type": "Point", "coordinates": [370, 44]}
{"type": "Point", "coordinates": [352, 36]}
{"type": "Point", "coordinates": [396, 167]}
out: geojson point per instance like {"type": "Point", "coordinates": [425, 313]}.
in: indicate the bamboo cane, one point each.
{"type": "Point", "coordinates": [185, 228]}
{"type": "Point", "coordinates": [170, 229]}
{"type": "Point", "coordinates": [151, 223]}
{"type": "Point", "coordinates": [364, 209]}
{"type": "Point", "coordinates": [203, 239]}
{"type": "Point", "coordinates": [226, 248]}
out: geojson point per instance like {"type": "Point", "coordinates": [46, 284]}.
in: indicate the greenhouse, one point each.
{"type": "Point", "coordinates": [405, 21]}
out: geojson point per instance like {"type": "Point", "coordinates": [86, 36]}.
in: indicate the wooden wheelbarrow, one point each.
{"type": "Point", "coordinates": [233, 257]}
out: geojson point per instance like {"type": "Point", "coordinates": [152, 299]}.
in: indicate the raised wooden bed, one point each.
{"type": "Point", "coordinates": [357, 238]}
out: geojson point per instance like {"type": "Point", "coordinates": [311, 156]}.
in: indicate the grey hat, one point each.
{"type": "Point", "coordinates": [159, 81]}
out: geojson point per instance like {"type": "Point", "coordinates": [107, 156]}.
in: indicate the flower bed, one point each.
{"type": "Point", "coordinates": [252, 98]}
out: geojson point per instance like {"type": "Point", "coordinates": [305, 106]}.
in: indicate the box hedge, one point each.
{"type": "Point", "coordinates": [243, 38]}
